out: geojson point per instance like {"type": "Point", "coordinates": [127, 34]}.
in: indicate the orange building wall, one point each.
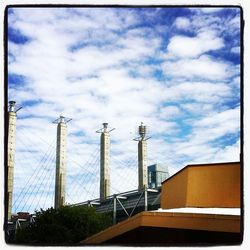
{"type": "Point", "coordinates": [211, 185]}
{"type": "Point", "coordinates": [174, 191]}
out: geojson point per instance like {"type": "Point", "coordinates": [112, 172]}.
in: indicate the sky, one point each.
{"type": "Point", "coordinates": [177, 70]}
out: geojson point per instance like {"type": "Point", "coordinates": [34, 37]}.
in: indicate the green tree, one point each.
{"type": "Point", "coordinates": [64, 226]}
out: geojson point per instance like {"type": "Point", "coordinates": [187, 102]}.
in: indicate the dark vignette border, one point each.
{"type": "Point", "coordinates": [5, 42]}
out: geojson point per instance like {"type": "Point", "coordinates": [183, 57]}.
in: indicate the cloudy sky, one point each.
{"type": "Point", "coordinates": [175, 69]}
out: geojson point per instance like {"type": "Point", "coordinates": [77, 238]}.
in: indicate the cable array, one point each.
{"type": "Point", "coordinates": [46, 177]}
{"type": "Point", "coordinates": [36, 180]}
{"type": "Point", "coordinates": [88, 173]}
{"type": "Point", "coordinates": [123, 174]}
{"type": "Point", "coordinates": [81, 185]}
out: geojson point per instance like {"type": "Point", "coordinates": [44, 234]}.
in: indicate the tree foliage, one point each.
{"type": "Point", "coordinates": [64, 226]}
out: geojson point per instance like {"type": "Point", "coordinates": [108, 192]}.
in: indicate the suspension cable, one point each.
{"type": "Point", "coordinates": [42, 175]}
{"type": "Point", "coordinates": [47, 178]}
{"type": "Point", "coordinates": [33, 177]}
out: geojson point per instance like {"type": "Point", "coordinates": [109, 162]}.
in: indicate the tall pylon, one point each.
{"type": "Point", "coordinates": [61, 161]}
{"type": "Point", "coordinates": [104, 161]}
{"type": "Point", "coordinates": [12, 117]}
{"type": "Point", "coordinates": [142, 157]}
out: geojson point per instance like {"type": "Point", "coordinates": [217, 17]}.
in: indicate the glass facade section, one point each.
{"type": "Point", "coordinates": [157, 173]}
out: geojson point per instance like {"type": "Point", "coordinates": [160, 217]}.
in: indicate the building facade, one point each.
{"type": "Point", "coordinates": [157, 173]}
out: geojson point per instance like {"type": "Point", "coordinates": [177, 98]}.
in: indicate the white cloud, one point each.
{"type": "Point", "coordinates": [230, 117]}
{"type": "Point", "coordinates": [235, 50]}
{"type": "Point", "coordinates": [235, 22]}
{"type": "Point", "coordinates": [215, 126]}
{"type": "Point", "coordinates": [210, 10]}
{"type": "Point", "coordinates": [182, 23]}
{"type": "Point", "coordinates": [204, 67]}
{"type": "Point", "coordinates": [169, 112]}
{"type": "Point", "coordinates": [183, 46]}
{"type": "Point", "coordinates": [203, 92]}
{"type": "Point", "coordinates": [197, 108]}
{"type": "Point", "coordinates": [211, 154]}
{"type": "Point", "coordinates": [229, 153]}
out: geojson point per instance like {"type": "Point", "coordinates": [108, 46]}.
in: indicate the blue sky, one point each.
{"type": "Point", "coordinates": [175, 69]}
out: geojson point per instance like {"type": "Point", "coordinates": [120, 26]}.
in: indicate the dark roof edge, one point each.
{"type": "Point", "coordinates": [201, 165]}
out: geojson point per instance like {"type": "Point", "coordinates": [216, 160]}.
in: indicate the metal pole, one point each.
{"type": "Point", "coordinates": [114, 210]}
{"type": "Point", "coordinates": [145, 199]}
{"type": "Point", "coordinates": [123, 207]}
{"type": "Point", "coordinates": [136, 204]}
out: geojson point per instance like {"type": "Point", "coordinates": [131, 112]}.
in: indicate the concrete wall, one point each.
{"type": "Point", "coordinates": [210, 185]}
